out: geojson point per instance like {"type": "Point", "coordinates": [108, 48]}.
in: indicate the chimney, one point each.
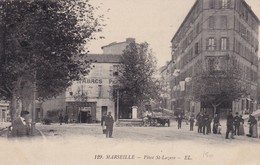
{"type": "Point", "coordinates": [129, 40]}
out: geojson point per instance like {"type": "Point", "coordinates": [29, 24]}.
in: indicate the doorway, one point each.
{"type": "Point", "coordinates": [103, 110]}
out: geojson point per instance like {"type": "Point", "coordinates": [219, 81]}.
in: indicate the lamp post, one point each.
{"type": "Point", "coordinates": [117, 105]}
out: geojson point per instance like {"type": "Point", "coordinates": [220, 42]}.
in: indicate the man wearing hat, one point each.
{"type": "Point", "coordinates": [236, 124]}
{"type": "Point", "coordinates": [109, 122]}
{"type": "Point", "coordinates": [230, 123]}
{"type": "Point", "coordinates": [20, 128]}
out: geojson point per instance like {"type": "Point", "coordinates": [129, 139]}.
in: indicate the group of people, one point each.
{"type": "Point", "coordinates": [235, 124]}
{"type": "Point", "coordinates": [204, 121]}
{"type": "Point", "coordinates": [107, 123]}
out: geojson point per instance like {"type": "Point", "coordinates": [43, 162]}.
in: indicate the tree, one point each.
{"type": "Point", "coordinates": [136, 75]}
{"type": "Point", "coordinates": [42, 42]}
{"type": "Point", "coordinates": [215, 85]}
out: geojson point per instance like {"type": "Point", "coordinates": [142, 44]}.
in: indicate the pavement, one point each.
{"type": "Point", "coordinates": [68, 144]}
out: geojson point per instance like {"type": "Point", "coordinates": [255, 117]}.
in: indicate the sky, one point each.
{"type": "Point", "coordinates": [151, 21]}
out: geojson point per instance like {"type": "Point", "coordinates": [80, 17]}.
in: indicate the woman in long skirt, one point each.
{"type": "Point", "coordinates": [253, 126]}
{"type": "Point", "coordinates": [254, 131]}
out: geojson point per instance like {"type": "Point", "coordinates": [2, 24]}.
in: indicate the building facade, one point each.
{"type": "Point", "coordinates": [93, 95]}
{"type": "Point", "coordinates": [4, 111]}
{"type": "Point", "coordinates": [165, 78]}
{"type": "Point", "coordinates": [212, 31]}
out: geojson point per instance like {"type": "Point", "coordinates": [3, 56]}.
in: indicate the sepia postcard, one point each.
{"type": "Point", "coordinates": [151, 82]}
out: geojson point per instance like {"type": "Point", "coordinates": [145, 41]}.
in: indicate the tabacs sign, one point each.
{"type": "Point", "coordinates": [98, 81]}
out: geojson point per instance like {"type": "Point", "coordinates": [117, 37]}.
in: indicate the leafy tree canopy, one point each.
{"type": "Point", "coordinates": [46, 36]}
{"type": "Point", "coordinates": [136, 74]}
{"type": "Point", "coordinates": [218, 86]}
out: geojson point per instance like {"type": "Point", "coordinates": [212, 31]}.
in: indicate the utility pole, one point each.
{"type": "Point", "coordinates": [117, 104]}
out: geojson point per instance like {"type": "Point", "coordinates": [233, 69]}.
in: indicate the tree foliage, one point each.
{"type": "Point", "coordinates": [42, 40]}
{"type": "Point", "coordinates": [218, 86]}
{"type": "Point", "coordinates": [136, 74]}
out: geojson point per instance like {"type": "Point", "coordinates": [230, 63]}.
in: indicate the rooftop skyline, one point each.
{"type": "Point", "coordinates": [152, 21]}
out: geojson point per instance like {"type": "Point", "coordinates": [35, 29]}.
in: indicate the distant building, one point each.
{"type": "Point", "coordinates": [212, 31]}
{"type": "Point", "coordinates": [117, 47]}
{"type": "Point", "coordinates": [165, 81]}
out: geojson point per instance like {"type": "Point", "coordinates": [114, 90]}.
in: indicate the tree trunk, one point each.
{"type": "Point", "coordinates": [214, 109]}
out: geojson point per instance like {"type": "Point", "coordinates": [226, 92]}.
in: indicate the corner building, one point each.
{"type": "Point", "coordinates": [212, 31]}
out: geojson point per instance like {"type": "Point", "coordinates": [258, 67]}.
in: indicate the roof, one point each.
{"type": "Point", "coordinates": [186, 18]}
{"type": "Point", "coordinates": [251, 11]}
{"type": "Point", "coordinates": [113, 43]}
{"type": "Point", "coordinates": [103, 58]}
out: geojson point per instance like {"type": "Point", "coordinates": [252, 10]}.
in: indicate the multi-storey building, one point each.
{"type": "Point", "coordinates": [165, 78]}
{"type": "Point", "coordinates": [94, 94]}
{"type": "Point", "coordinates": [212, 31]}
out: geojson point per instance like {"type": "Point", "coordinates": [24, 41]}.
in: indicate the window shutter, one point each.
{"type": "Point", "coordinates": [228, 4]}
{"type": "Point", "coordinates": [207, 44]}
{"type": "Point", "coordinates": [227, 43]}
{"type": "Point", "coordinates": [215, 44]}
{"type": "Point", "coordinates": [220, 4]}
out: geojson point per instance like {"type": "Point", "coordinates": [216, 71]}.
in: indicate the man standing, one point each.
{"type": "Point", "coordinates": [109, 122]}
{"type": "Point", "coordinates": [191, 122]}
{"type": "Point", "coordinates": [236, 124]}
{"type": "Point", "coordinates": [66, 118]}
{"type": "Point", "coordinates": [20, 126]}
{"type": "Point", "coordinates": [199, 121]}
{"type": "Point", "coordinates": [60, 118]}
{"type": "Point", "coordinates": [230, 122]}
{"type": "Point", "coordinates": [205, 123]}
{"type": "Point", "coordinates": [179, 120]}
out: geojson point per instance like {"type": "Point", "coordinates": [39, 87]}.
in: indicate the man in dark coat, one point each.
{"type": "Point", "coordinates": [205, 123]}
{"type": "Point", "coordinates": [20, 126]}
{"type": "Point", "coordinates": [109, 122]}
{"type": "Point", "coordinates": [179, 120]}
{"type": "Point", "coordinates": [199, 121]}
{"type": "Point", "coordinates": [252, 123]}
{"type": "Point", "coordinates": [230, 123]}
{"type": "Point", "coordinates": [236, 124]}
{"type": "Point", "coordinates": [191, 122]}
{"type": "Point", "coordinates": [66, 118]}
{"type": "Point", "coordinates": [61, 118]}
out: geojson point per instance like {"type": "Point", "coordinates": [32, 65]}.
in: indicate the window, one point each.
{"type": "Point", "coordinates": [212, 4]}
{"type": "Point", "coordinates": [211, 44]}
{"type": "Point", "coordinates": [115, 70]}
{"type": "Point", "coordinates": [223, 20]}
{"type": "Point", "coordinates": [211, 22]}
{"type": "Point", "coordinates": [99, 91]}
{"type": "Point", "coordinates": [224, 43]}
{"type": "Point", "coordinates": [224, 4]}
{"type": "Point", "coordinates": [211, 64]}
{"type": "Point", "coordinates": [196, 48]}
{"type": "Point", "coordinates": [198, 28]}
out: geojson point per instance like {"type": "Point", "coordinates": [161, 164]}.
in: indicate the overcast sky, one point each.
{"type": "Point", "coordinates": [153, 21]}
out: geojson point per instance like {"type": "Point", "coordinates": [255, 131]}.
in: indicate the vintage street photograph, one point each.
{"type": "Point", "coordinates": [151, 82]}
